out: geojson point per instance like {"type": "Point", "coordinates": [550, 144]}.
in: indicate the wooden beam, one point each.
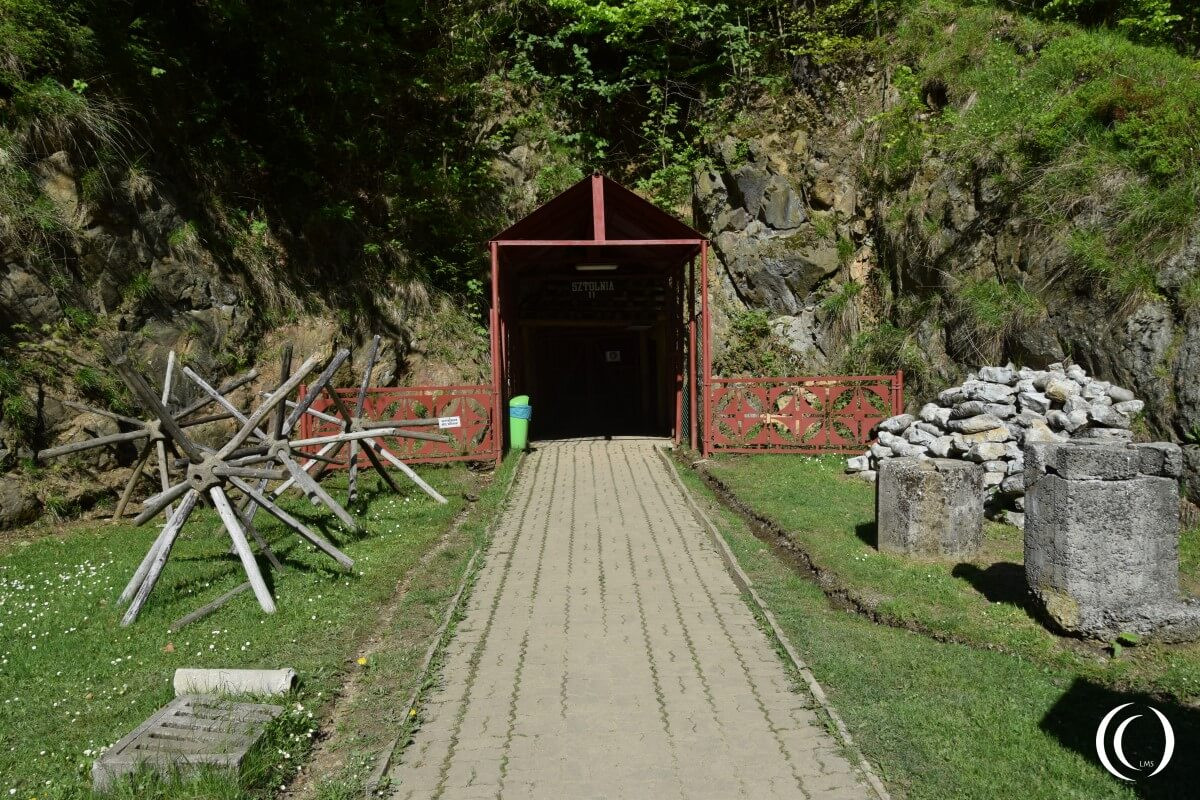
{"type": "Point", "coordinates": [598, 208]}
{"type": "Point", "coordinates": [234, 526]}
{"type": "Point", "coordinates": [592, 243]}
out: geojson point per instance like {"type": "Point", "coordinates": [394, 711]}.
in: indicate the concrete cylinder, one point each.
{"type": "Point", "coordinates": [234, 681]}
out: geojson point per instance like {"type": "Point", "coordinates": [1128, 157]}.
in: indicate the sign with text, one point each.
{"type": "Point", "coordinates": [592, 287]}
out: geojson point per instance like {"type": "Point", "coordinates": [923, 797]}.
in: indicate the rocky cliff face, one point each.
{"type": "Point", "coordinates": [131, 262]}
{"type": "Point", "coordinates": [798, 211]}
{"type": "Point", "coordinates": [790, 228]}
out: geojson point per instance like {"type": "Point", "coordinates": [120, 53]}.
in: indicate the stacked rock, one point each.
{"type": "Point", "coordinates": [992, 416]}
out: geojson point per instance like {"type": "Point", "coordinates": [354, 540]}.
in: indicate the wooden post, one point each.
{"type": "Point", "coordinates": [706, 348]}
{"type": "Point", "coordinates": [494, 335]}
{"type": "Point", "coordinates": [160, 552]}
{"type": "Point", "coordinates": [234, 526]}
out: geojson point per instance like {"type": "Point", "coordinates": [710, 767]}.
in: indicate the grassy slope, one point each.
{"type": "Point", "coordinates": [72, 680]}
{"type": "Point", "coordinates": [1094, 136]}
{"type": "Point", "coordinates": [830, 516]}
{"type": "Point", "coordinates": [941, 720]}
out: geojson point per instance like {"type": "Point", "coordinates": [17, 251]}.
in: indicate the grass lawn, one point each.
{"type": "Point", "coordinates": [831, 518]}
{"type": "Point", "coordinates": [72, 681]}
{"type": "Point", "coordinates": [1010, 712]}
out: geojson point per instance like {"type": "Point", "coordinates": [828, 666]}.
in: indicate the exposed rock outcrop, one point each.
{"type": "Point", "coordinates": [799, 209]}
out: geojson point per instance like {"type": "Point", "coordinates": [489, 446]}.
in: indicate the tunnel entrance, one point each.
{"type": "Point", "coordinates": [593, 300]}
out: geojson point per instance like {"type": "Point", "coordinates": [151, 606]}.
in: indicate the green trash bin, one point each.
{"type": "Point", "coordinates": [519, 413]}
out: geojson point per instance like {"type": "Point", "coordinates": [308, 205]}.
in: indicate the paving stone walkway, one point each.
{"type": "Point", "coordinates": [606, 653]}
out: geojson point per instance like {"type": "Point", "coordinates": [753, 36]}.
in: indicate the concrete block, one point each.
{"type": "Point", "coordinates": [931, 508]}
{"type": "Point", "coordinates": [1101, 537]}
{"type": "Point", "coordinates": [1099, 461]}
{"type": "Point", "coordinates": [1161, 458]}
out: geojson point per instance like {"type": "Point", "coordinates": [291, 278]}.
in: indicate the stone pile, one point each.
{"type": "Point", "coordinates": [991, 418]}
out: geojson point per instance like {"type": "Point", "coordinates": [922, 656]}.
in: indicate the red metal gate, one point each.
{"type": "Point", "coordinates": [472, 439]}
{"type": "Point", "coordinates": [820, 414]}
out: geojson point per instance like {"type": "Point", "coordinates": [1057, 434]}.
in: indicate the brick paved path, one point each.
{"type": "Point", "coordinates": [606, 653]}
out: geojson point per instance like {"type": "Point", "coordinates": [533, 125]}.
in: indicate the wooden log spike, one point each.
{"type": "Point", "coordinates": [208, 608]}
{"type": "Point", "coordinates": [287, 519]}
{"type": "Point", "coordinates": [147, 397]}
{"type": "Point", "coordinates": [311, 487]}
{"type": "Point", "coordinates": [313, 391]}
{"type": "Point", "coordinates": [223, 389]}
{"type": "Point", "coordinates": [158, 502]}
{"type": "Point", "coordinates": [220, 400]}
{"type": "Point", "coordinates": [407, 470]}
{"type": "Point", "coordinates": [138, 468]}
{"type": "Point", "coordinates": [234, 527]}
{"type": "Point", "coordinates": [278, 396]}
{"type": "Point", "coordinates": [88, 444]}
{"type": "Point", "coordinates": [285, 369]}
{"type": "Point", "coordinates": [162, 551]}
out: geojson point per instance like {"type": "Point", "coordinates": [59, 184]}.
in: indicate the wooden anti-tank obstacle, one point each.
{"type": "Point", "coordinates": [156, 439]}
{"type": "Point", "coordinates": [358, 431]}
{"type": "Point", "coordinates": [218, 474]}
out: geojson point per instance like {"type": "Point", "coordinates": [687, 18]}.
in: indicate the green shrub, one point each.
{"type": "Point", "coordinates": [842, 299]}
{"type": "Point", "coordinates": [990, 312]}
{"type": "Point", "coordinates": [752, 349]}
{"type": "Point", "coordinates": [140, 286]}
{"type": "Point", "coordinates": [17, 411]}
{"type": "Point", "coordinates": [885, 349]}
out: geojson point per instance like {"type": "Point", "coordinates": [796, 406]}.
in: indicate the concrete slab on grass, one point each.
{"type": "Point", "coordinates": [189, 733]}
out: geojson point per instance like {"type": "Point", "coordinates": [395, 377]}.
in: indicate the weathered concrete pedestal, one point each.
{"type": "Point", "coordinates": [929, 508]}
{"type": "Point", "coordinates": [1102, 538]}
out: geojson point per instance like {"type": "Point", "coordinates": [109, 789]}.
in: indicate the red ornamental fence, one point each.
{"type": "Point", "coordinates": [464, 414]}
{"type": "Point", "coordinates": [822, 414]}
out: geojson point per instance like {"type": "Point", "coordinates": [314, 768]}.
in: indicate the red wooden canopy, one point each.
{"type": "Point", "coordinates": [598, 221]}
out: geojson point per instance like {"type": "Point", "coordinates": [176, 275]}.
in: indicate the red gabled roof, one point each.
{"type": "Point", "coordinates": [598, 209]}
